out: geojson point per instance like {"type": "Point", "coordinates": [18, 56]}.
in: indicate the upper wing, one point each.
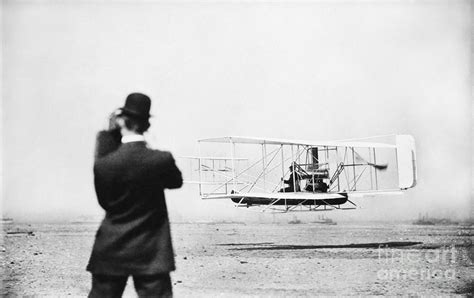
{"type": "Point", "coordinates": [271, 141]}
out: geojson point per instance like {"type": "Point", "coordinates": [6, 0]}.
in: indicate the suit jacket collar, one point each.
{"type": "Point", "coordinates": [134, 144]}
{"type": "Point", "coordinates": [133, 138]}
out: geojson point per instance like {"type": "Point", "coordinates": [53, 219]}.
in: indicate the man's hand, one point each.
{"type": "Point", "coordinates": [114, 120]}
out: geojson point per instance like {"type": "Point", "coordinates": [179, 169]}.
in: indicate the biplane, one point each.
{"type": "Point", "coordinates": [321, 175]}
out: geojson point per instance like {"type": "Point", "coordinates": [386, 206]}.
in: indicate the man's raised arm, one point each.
{"type": "Point", "coordinates": [107, 141]}
{"type": "Point", "coordinates": [172, 178]}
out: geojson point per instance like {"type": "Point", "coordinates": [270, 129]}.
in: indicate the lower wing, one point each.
{"type": "Point", "coordinates": [304, 195]}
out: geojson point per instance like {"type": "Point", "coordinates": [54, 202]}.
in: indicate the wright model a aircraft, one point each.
{"type": "Point", "coordinates": [321, 176]}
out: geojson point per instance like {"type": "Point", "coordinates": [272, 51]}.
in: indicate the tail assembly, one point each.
{"type": "Point", "coordinates": [406, 159]}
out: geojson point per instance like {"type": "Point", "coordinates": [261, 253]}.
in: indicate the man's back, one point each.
{"type": "Point", "coordinates": [134, 237]}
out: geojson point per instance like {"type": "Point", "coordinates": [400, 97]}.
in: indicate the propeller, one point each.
{"type": "Point", "coordinates": [380, 167]}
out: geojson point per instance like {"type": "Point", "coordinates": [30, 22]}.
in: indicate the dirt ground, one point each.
{"type": "Point", "coordinates": [235, 260]}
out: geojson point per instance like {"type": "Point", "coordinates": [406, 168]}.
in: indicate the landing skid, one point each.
{"type": "Point", "coordinates": [272, 208]}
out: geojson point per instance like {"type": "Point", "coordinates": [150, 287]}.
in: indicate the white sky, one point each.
{"type": "Point", "coordinates": [303, 70]}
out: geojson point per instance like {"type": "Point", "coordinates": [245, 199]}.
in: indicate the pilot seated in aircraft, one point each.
{"type": "Point", "coordinates": [293, 181]}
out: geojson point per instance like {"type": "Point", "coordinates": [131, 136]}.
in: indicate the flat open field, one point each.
{"type": "Point", "coordinates": [230, 260]}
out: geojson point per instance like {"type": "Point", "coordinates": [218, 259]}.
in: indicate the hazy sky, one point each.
{"type": "Point", "coordinates": [305, 70]}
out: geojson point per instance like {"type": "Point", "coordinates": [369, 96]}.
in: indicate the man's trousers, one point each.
{"type": "Point", "coordinates": [146, 285]}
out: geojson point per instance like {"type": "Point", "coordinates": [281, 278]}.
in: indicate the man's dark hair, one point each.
{"type": "Point", "coordinates": [136, 124]}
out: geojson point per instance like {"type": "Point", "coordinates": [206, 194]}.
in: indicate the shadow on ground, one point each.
{"type": "Point", "coordinates": [271, 246]}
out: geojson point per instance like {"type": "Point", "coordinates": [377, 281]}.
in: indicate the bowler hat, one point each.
{"type": "Point", "coordinates": [137, 105]}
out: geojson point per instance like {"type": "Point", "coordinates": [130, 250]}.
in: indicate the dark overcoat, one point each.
{"type": "Point", "coordinates": [134, 237]}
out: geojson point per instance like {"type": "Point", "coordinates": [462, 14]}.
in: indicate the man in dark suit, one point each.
{"type": "Point", "coordinates": [134, 237]}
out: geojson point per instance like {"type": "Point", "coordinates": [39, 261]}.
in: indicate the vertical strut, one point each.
{"type": "Point", "coordinates": [214, 170]}
{"type": "Point", "coordinates": [337, 166]}
{"type": "Point", "coordinates": [353, 167]}
{"type": "Point", "coordinates": [371, 178]}
{"type": "Point", "coordinates": [282, 169]}
{"type": "Point", "coordinates": [298, 152]}
{"type": "Point", "coordinates": [233, 164]}
{"type": "Point", "coordinates": [264, 162]}
{"type": "Point", "coordinates": [200, 166]}
{"type": "Point", "coordinates": [293, 169]}
{"type": "Point", "coordinates": [396, 165]}
{"type": "Point", "coordinates": [375, 171]}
